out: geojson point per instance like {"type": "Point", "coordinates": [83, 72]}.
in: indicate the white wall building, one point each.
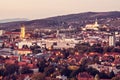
{"type": "Point", "coordinates": [20, 44]}
{"type": "Point", "coordinates": [1, 32]}
{"type": "Point", "coordinates": [111, 40]}
{"type": "Point", "coordinates": [48, 43]}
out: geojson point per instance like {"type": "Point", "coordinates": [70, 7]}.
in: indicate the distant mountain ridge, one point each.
{"type": "Point", "coordinates": [87, 15]}
{"type": "Point", "coordinates": [13, 20]}
{"type": "Point", "coordinates": [111, 19]}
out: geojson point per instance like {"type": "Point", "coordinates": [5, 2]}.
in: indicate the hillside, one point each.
{"type": "Point", "coordinates": [111, 19]}
{"type": "Point", "coordinates": [13, 20]}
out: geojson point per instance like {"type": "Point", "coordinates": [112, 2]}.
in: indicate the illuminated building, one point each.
{"type": "Point", "coordinates": [22, 33]}
{"type": "Point", "coordinates": [94, 26]}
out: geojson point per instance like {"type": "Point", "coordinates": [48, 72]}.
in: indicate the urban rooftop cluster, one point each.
{"type": "Point", "coordinates": [91, 52]}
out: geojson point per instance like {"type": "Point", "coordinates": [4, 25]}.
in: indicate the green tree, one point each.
{"type": "Point", "coordinates": [112, 74]}
{"type": "Point", "coordinates": [49, 70]}
{"type": "Point", "coordinates": [11, 69]}
{"type": "Point", "coordinates": [116, 78]}
{"type": "Point", "coordinates": [38, 76]}
{"type": "Point", "coordinates": [97, 77]}
{"type": "Point", "coordinates": [92, 71]}
{"type": "Point", "coordinates": [2, 71]}
{"type": "Point", "coordinates": [26, 70]}
{"type": "Point", "coordinates": [82, 47]}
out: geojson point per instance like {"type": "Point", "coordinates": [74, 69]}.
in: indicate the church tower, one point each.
{"type": "Point", "coordinates": [96, 23]}
{"type": "Point", "coordinates": [22, 33]}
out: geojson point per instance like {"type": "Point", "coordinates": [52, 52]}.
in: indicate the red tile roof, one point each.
{"type": "Point", "coordinates": [23, 49]}
{"type": "Point", "coordinates": [30, 65]}
{"type": "Point", "coordinates": [9, 61]}
{"type": "Point", "coordinates": [12, 32]}
{"type": "Point", "coordinates": [22, 63]}
{"type": "Point", "coordinates": [84, 76]}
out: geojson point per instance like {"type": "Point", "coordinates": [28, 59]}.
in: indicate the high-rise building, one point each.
{"type": "Point", "coordinates": [112, 40]}
{"type": "Point", "coordinates": [22, 34]}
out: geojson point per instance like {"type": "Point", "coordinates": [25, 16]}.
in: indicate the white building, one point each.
{"type": "Point", "coordinates": [111, 40]}
{"type": "Point", "coordinates": [24, 42]}
{"type": "Point", "coordinates": [61, 77]}
{"type": "Point", "coordinates": [59, 43]}
{"type": "Point", "coordinates": [49, 43]}
{"type": "Point", "coordinates": [1, 32]}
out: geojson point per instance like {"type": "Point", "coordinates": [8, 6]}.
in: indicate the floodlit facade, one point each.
{"type": "Point", "coordinates": [94, 26]}
{"type": "Point", "coordinates": [22, 34]}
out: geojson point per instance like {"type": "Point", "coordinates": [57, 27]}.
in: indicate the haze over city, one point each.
{"type": "Point", "coordinates": [59, 39]}
{"type": "Point", "coordinates": [36, 9]}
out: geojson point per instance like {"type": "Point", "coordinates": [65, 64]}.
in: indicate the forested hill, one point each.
{"type": "Point", "coordinates": [76, 20]}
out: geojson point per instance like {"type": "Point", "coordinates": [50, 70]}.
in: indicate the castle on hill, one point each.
{"type": "Point", "coordinates": [94, 26]}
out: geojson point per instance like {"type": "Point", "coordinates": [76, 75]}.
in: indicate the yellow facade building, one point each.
{"type": "Point", "coordinates": [94, 26]}
{"type": "Point", "coordinates": [22, 33]}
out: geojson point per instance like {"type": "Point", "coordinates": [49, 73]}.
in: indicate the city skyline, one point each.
{"type": "Point", "coordinates": [38, 9]}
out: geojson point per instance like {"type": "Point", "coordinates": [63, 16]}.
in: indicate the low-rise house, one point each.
{"type": "Point", "coordinates": [23, 51]}
{"type": "Point", "coordinates": [84, 76]}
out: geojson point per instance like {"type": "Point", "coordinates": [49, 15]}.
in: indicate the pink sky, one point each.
{"type": "Point", "coordinates": [36, 9]}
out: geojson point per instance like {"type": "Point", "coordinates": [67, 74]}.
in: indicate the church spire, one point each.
{"type": "Point", "coordinates": [96, 22]}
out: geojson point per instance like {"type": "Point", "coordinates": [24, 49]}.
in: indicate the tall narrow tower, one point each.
{"type": "Point", "coordinates": [96, 23]}
{"type": "Point", "coordinates": [19, 58]}
{"type": "Point", "coordinates": [22, 33]}
{"type": "Point", "coordinates": [57, 33]}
